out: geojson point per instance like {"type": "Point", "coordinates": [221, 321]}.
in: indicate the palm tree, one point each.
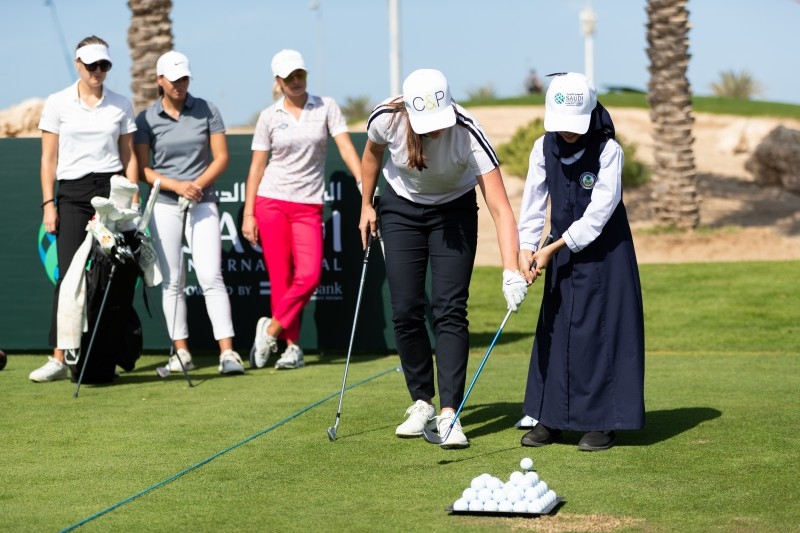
{"type": "Point", "coordinates": [149, 36]}
{"type": "Point", "coordinates": [670, 98]}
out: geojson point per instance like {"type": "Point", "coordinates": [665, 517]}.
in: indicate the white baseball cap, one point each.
{"type": "Point", "coordinates": [287, 61]}
{"type": "Point", "coordinates": [570, 100]}
{"type": "Point", "coordinates": [427, 98]}
{"type": "Point", "coordinates": [173, 66]}
{"type": "Point", "coordinates": [92, 53]}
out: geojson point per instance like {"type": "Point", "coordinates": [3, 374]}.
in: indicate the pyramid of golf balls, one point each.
{"type": "Point", "coordinates": [524, 492]}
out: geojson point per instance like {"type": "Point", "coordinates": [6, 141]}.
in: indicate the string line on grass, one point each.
{"type": "Point", "coordinates": [223, 452]}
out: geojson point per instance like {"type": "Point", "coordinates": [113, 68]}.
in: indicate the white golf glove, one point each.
{"type": "Point", "coordinates": [515, 288]}
{"type": "Point", "coordinates": [184, 204]}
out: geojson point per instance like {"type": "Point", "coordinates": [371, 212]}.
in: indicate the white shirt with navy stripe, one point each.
{"type": "Point", "coordinates": [453, 160]}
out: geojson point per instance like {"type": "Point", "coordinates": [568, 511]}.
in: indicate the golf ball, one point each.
{"type": "Point", "coordinates": [505, 506]}
{"type": "Point", "coordinates": [478, 483]}
{"type": "Point", "coordinates": [516, 477]}
{"type": "Point", "coordinates": [476, 505]}
{"type": "Point", "coordinates": [469, 494]}
{"type": "Point", "coordinates": [499, 495]}
{"type": "Point", "coordinates": [461, 505]}
{"type": "Point", "coordinates": [490, 506]}
{"type": "Point", "coordinates": [493, 483]}
{"type": "Point", "coordinates": [526, 464]}
{"type": "Point", "coordinates": [485, 494]}
{"type": "Point", "coordinates": [513, 494]}
{"type": "Point", "coordinates": [520, 506]}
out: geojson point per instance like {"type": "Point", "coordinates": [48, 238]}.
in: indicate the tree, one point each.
{"type": "Point", "coordinates": [740, 85]}
{"type": "Point", "coordinates": [670, 98]}
{"type": "Point", "coordinates": [149, 36]}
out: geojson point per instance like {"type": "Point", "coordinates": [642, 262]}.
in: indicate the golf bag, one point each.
{"type": "Point", "coordinates": [118, 335]}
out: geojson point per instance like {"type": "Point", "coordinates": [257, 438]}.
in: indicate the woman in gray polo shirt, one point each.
{"type": "Point", "coordinates": [186, 138]}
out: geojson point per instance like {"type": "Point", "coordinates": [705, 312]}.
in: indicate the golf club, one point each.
{"type": "Point", "coordinates": [164, 371]}
{"type": "Point", "coordinates": [332, 430]}
{"type": "Point", "coordinates": [432, 437]}
{"type": "Point", "coordinates": [96, 327]}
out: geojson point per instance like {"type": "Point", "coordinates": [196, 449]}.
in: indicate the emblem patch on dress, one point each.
{"type": "Point", "coordinates": [588, 180]}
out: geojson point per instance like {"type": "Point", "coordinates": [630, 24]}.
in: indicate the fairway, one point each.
{"type": "Point", "coordinates": [251, 453]}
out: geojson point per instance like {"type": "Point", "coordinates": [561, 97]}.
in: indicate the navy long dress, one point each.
{"type": "Point", "coordinates": [587, 364]}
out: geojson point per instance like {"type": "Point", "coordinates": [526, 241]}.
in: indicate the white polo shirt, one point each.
{"type": "Point", "coordinates": [296, 168]}
{"type": "Point", "coordinates": [453, 160]}
{"type": "Point", "coordinates": [87, 138]}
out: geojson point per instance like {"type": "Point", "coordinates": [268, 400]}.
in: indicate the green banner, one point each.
{"type": "Point", "coordinates": [28, 265]}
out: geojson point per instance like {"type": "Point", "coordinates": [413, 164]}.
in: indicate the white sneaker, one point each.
{"type": "Point", "coordinates": [291, 358]}
{"type": "Point", "coordinates": [456, 438]}
{"type": "Point", "coordinates": [230, 363]}
{"type": "Point", "coordinates": [264, 345]}
{"type": "Point", "coordinates": [52, 370]}
{"type": "Point", "coordinates": [420, 416]}
{"type": "Point", "coordinates": [175, 366]}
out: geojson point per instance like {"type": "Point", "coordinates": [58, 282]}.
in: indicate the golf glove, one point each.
{"type": "Point", "coordinates": [515, 288]}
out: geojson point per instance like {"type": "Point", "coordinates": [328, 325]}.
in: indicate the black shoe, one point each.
{"type": "Point", "coordinates": [595, 441]}
{"type": "Point", "coordinates": [540, 435]}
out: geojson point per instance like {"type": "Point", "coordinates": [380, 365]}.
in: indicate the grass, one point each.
{"type": "Point", "coordinates": [251, 453]}
{"type": "Point", "coordinates": [700, 104]}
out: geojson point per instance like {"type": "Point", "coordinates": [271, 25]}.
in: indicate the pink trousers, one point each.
{"type": "Point", "coordinates": [291, 240]}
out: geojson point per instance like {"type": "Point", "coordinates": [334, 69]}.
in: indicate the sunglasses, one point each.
{"type": "Point", "coordinates": [104, 65]}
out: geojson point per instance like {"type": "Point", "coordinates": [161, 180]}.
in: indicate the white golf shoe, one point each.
{"type": "Point", "coordinates": [186, 358]}
{"type": "Point", "coordinates": [264, 345]}
{"type": "Point", "coordinates": [421, 416]}
{"type": "Point", "coordinates": [291, 358]}
{"type": "Point", "coordinates": [52, 370]}
{"type": "Point", "coordinates": [230, 363]}
{"type": "Point", "coordinates": [456, 437]}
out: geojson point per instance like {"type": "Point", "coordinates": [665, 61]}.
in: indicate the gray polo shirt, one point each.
{"type": "Point", "coordinates": [180, 149]}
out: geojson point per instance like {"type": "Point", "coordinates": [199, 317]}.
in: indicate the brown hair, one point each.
{"type": "Point", "coordinates": [93, 39]}
{"type": "Point", "coordinates": [416, 159]}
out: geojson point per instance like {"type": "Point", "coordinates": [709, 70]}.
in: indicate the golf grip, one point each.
{"type": "Point", "coordinates": [547, 240]}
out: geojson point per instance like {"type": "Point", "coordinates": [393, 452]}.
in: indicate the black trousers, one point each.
{"type": "Point", "coordinates": [446, 237]}
{"type": "Point", "coordinates": [74, 212]}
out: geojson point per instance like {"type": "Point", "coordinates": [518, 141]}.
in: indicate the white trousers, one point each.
{"type": "Point", "coordinates": [205, 246]}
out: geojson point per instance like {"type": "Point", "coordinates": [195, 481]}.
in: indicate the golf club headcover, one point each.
{"type": "Point", "coordinates": [122, 191]}
{"type": "Point", "coordinates": [101, 233]}
{"type": "Point", "coordinates": [515, 288]}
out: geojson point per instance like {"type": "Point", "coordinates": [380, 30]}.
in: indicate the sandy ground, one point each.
{"type": "Point", "coordinates": [740, 220]}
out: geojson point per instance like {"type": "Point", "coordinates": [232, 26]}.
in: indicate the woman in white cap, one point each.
{"type": "Point", "coordinates": [87, 137]}
{"type": "Point", "coordinates": [438, 153]}
{"type": "Point", "coordinates": [587, 365]}
{"type": "Point", "coordinates": [284, 201]}
{"type": "Point", "coordinates": [181, 142]}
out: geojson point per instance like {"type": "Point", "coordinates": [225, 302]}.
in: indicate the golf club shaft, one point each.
{"type": "Point", "coordinates": [96, 326]}
{"type": "Point", "coordinates": [353, 331]}
{"type": "Point", "coordinates": [175, 310]}
{"type": "Point", "coordinates": [477, 373]}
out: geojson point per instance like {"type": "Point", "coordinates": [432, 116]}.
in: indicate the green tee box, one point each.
{"type": "Point", "coordinates": [28, 265]}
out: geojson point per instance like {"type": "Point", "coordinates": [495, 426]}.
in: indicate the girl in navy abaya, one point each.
{"type": "Point", "coordinates": [587, 365]}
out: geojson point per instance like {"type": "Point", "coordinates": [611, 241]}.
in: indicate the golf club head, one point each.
{"type": "Point", "coordinates": [431, 436]}
{"type": "Point", "coordinates": [332, 433]}
{"type": "Point", "coordinates": [162, 371]}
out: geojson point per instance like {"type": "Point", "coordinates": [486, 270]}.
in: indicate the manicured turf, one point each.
{"type": "Point", "coordinates": [251, 453]}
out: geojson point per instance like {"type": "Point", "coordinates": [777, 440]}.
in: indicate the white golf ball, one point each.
{"type": "Point", "coordinates": [505, 506]}
{"type": "Point", "coordinates": [516, 477]}
{"type": "Point", "coordinates": [520, 506]}
{"type": "Point", "coordinates": [490, 506]}
{"type": "Point", "coordinates": [478, 483]}
{"type": "Point", "coordinates": [493, 483]}
{"type": "Point", "coordinates": [475, 505]}
{"type": "Point", "coordinates": [533, 476]}
{"type": "Point", "coordinates": [461, 505]}
{"type": "Point", "coordinates": [513, 494]}
{"type": "Point", "coordinates": [524, 483]}
{"type": "Point", "coordinates": [531, 493]}
{"type": "Point", "coordinates": [485, 494]}
{"type": "Point", "coordinates": [526, 463]}
{"type": "Point", "coordinates": [535, 506]}
{"type": "Point", "coordinates": [469, 494]}
{"type": "Point", "coordinates": [499, 495]}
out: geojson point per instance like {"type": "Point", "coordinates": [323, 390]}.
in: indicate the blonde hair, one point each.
{"type": "Point", "coordinates": [277, 92]}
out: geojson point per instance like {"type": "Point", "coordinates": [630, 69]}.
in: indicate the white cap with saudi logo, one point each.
{"type": "Point", "coordinates": [570, 100]}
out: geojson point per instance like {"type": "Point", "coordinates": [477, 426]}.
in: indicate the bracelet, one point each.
{"type": "Point", "coordinates": [47, 202]}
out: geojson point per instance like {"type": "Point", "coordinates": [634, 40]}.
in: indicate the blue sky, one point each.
{"type": "Point", "coordinates": [346, 44]}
